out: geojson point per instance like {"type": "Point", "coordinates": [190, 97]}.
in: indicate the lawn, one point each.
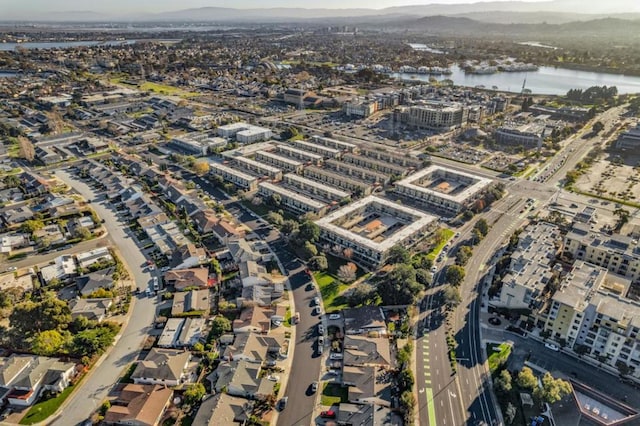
{"type": "Point", "coordinates": [126, 377]}
{"type": "Point", "coordinates": [287, 318]}
{"type": "Point", "coordinates": [42, 410]}
{"type": "Point", "coordinates": [330, 289]}
{"type": "Point", "coordinates": [333, 393]}
{"type": "Point", "coordinates": [165, 89]}
{"type": "Point", "coordinates": [447, 233]}
{"type": "Point", "coordinates": [497, 357]}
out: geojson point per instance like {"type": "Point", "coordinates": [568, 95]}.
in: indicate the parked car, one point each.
{"type": "Point", "coordinates": [273, 378]}
{"type": "Point", "coordinates": [334, 316]}
{"type": "Point", "coordinates": [320, 329]}
{"type": "Point", "coordinates": [283, 402]}
{"type": "Point", "coordinates": [329, 414]}
{"type": "Point", "coordinates": [316, 310]}
{"type": "Point", "coordinates": [551, 346]}
{"type": "Point", "coordinates": [321, 340]}
{"type": "Point", "coordinates": [336, 356]}
{"type": "Point", "coordinates": [314, 387]}
{"type": "Point", "coordinates": [316, 301]}
{"type": "Point", "coordinates": [156, 286]}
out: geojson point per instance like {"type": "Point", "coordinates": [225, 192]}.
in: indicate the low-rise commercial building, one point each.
{"type": "Point", "coordinates": [371, 226]}
{"type": "Point", "coordinates": [442, 189]}
{"type": "Point", "coordinates": [528, 135]}
{"type": "Point", "coordinates": [629, 139]}
{"type": "Point", "coordinates": [253, 134]}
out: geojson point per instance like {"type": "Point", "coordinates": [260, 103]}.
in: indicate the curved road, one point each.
{"type": "Point", "coordinates": [96, 386]}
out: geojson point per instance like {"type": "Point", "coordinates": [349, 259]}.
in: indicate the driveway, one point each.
{"type": "Point", "coordinates": [98, 383]}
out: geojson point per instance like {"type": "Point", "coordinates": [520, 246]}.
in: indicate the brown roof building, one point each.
{"type": "Point", "coordinates": [139, 405]}
{"type": "Point", "coordinates": [184, 278]}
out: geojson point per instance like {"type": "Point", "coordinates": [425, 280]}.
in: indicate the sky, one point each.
{"type": "Point", "coordinates": [125, 6]}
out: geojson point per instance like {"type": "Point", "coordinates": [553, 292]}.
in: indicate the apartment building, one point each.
{"type": "Point", "coordinates": [335, 144]}
{"type": "Point", "coordinates": [325, 151]}
{"type": "Point", "coordinates": [293, 201]}
{"type": "Point", "coordinates": [531, 267]}
{"type": "Point", "coordinates": [330, 177]}
{"type": "Point", "coordinates": [443, 189]}
{"type": "Point", "coordinates": [361, 173]}
{"type": "Point", "coordinates": [279, 161]}
{"type": "Point", "coordinates": [373, 164]}
{"type": "Point", "coordinates": [617, 253]}
{"type": "Point", "coordinates": [305, 156]}
{"type": "Point", "coordinates": [315, 188]}
{"type": "Point", "coordinates": [590, 313]}
{"type": "Point", "coordinates": [435, 116]}
{"type": "Point", "coordinates": [404, 160]}
{"type": "Point", "coordinates": [238, 178]}
{"type": "Point", "coordinates": [259, 168]}
{"type": "Point", "coordinates": [253, 134]}
{"type": "Point", "coordinates": [371, 226]}
{"type": "Point", "coordinates": [361, 108]}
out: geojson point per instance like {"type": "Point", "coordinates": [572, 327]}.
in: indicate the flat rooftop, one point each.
{"type": "Point", "coordinates": [376, 222]}
{"type": "Point", "coordinates": [230, 170]}
{"type": "Point", "coordinates": [452, 185]}
{"type": "Point", "coordinates": [284, 192]}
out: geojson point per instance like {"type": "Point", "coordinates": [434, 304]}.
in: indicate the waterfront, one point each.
{"type": "Point", "coordinates": [545, 81]}
{"type": "Point", "coordinates": [62, 44]}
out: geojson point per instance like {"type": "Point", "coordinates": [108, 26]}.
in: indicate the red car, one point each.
{"type": "Point", "coordinates": [328, 414]}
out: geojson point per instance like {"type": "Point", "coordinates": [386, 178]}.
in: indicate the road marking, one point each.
{"type": "Point", "coordinates": [431, 408]}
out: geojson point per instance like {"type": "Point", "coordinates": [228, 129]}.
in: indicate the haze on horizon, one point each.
{"type": "Point", "coordinates": [13, 7]}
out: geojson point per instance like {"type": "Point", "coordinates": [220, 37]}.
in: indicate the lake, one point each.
{"type": "Point", "coordinates": [545, 81]}
{"type": "Point", "coordinates": [62, 44]}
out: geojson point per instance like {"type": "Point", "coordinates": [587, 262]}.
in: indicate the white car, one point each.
{"type": "Point", "coordinates": [273, 378]}
{"type": "Point", "coordinates": [335, 356]}
{"type": "Point", "coordinates": [321, 340]}
{"type": "Point", "coordinates": [320, 329]}
{"type": "Point", "coordinates": [551, 346]}
{"type": "Point", "coordinates": [434, 269]}
{"type": "Point", "coordinates": [334, 316]}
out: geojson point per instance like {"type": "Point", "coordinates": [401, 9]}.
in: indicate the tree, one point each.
{"type": "Point", "coordinates": [408, 402]}
{"type": "Point", "coordinates": [503, 382]}
{"type": "Point", "coordinates": [48, 343]}
{"type": "Point", "coordinates": [310, 249]}
{"type": "Point", "coordinates": [275, 218]}
{"type": "Point", "coordinates": [597, 127]}
{"type": "Point", "coordinates": [455, 274]}
{"type": "Point", "coordinates": [94, 341]}
{"type": "Point", "coordinates": [198, 347]}
{"type": "Point", "coordinates": [219, 326]}
{"type": "Point", "coordinates": [32, 225]}
{"type": "Point", "coordinates": [26, 149]}
{"type": "Point", "coordinates": [452, 296]}
{"type": "Point", "coordinates": [201, 168]}
{"type": "Point", "coordinates": [11, 181]}
{"type": "Point", "coordinates": [406, 379]}
{"type": "Point", "coordinates": [476, 236]}
{"type": "Point", "coordinates": [552, 390]}
{"type": "Point", "coordinates": [30, 317]}
{"type": "Point", "coordinates": [482, 226]}
{"type": "Point", "coordinates": [275, 199]}
{"type": "Point", "coordinates": [424, 277]}
{"type": "Point", "coordinates": [526, 379]}
{"type": "Point", "coordinates": [289, 226]}
{"type": "Point", "coordinates": [361, 294]}
{"type": "Point", "coordinates": [623, 218]}
{"type": "Point", "coordinates": [400, 286]}
{"type": "Point", "coordinates": [318, 263]}
{"type": "Point", "coordinates": [398, 254]}
{"type": "Point", "coordinates": [194, 393]}
{"type": "Point", "coordinates": [463, 255]}
{"type": "Point", "coordinates": [309, 231]}
{"type": "Point", "coordinates": [347, 273]}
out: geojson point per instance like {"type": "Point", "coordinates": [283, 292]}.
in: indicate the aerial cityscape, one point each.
{"type": "Point", "coordinates": [352, 213]}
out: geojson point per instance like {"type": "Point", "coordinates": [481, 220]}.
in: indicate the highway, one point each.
{"type": "Point", "coordinates": [96, 386]}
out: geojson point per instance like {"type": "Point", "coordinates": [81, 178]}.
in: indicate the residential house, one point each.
{"type": "Point", "coordinates": [182, 333]}
{"type": "Point", "coordinates": [188, 256]}
{"type": "Point", "coordinates": [367, 351]}
{"type": "Point", "coordinates": [367, 415]}
{"type": "Point", "coordinates": [49, 234]}
{"type": "Point", "coordinates": [244, 249]}
{"type": "Point", "coordinates": [11, 242]}
{"type": "Point", "coordinates": [361, 382]}
{"type": "Point", "coordinates": [256, 319]}
{"type": "Point", "coordinates": [88, 258]}
{"type": "Point", "coordinates": [223, 409]}
{"type": "Point", "coordinates": [205, 221]}
{"type": "Point", "coordinates": [163, 367]}
{"type": "Point", "coordinates": [258, 286]}
{"type": "Point", "coordinates": [365, 320]}
{"type": "Point", "coordinates": [91, 309]}
{"type": "Point", "coordinates": [194, 300]}
{"type": "Point", "coordinates": [17, 215]}
{"type": "Point", "coordinates": [92, 281]}
{"type": "Point", "coordinates": [28, 375]}
{"type": "Point", "coordinates": [241, 378]}
{"type": "Point", "coordinates": [253, 347]}
{"type": "Point", "coordinates": [63, 267]}
{"type": "Point", "coordinates": [181, 279]}
{"type": "Point", "coordinates": [139, 405]}
{"type": "Point", "coordinates": [33, 185]}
